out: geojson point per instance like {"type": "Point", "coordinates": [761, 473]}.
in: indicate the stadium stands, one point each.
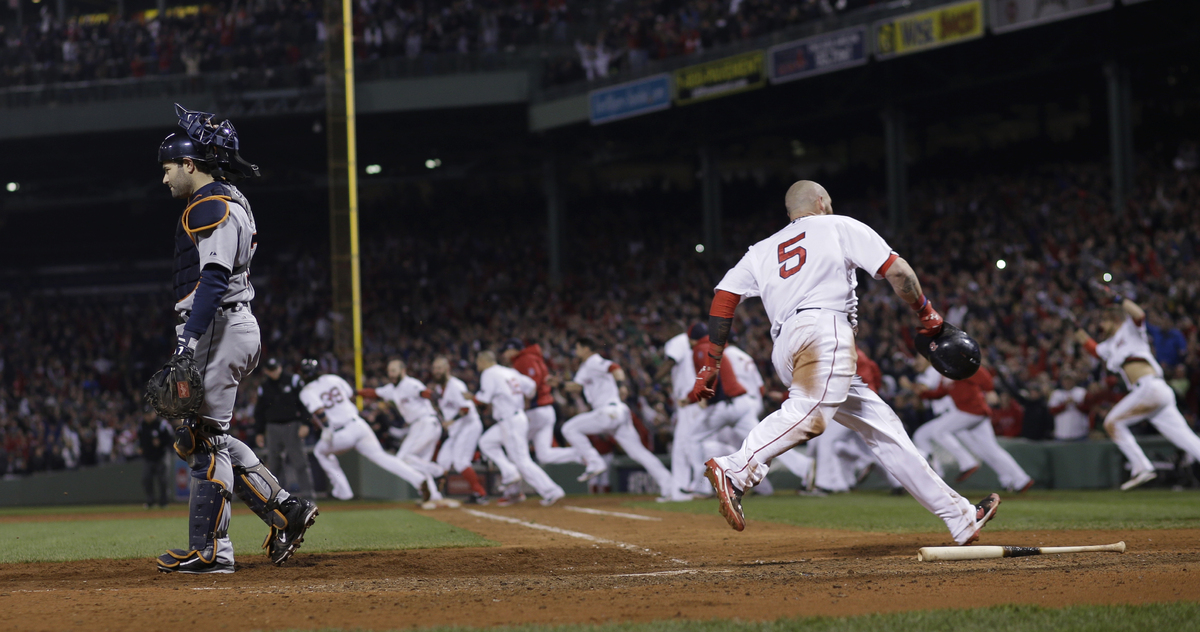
{"type": "Point", "coordinates": [73, 367]}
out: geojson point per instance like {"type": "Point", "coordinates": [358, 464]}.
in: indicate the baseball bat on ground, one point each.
{"type": "Point", "coordinates": [951, 553]}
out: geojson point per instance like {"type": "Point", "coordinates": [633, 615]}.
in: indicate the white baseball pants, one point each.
{"type": "Point", "coordinates": [458, 450]}
{"type": "Point", "coordinates": [614, 420]}
{"type": "Point", "coordinates": [357, 435]}
{"type": "Point", "coordinates": [1151, 398]}
{"type": "Point", "coordinates": [541, 432]}
{"type": "Point", "coordinates": [506, 444]}
{"type": "Point", "coordinates": [687, 459]}
{"type": "Point", "coordinates": [418, 446]}
{"type": "Point", "coordinates": [948, 428]}
{"type": "Point", "coordinates": [814, 353]}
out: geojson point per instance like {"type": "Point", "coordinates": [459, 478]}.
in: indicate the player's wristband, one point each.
{"type": "Point", "coordinates": [919, 304]}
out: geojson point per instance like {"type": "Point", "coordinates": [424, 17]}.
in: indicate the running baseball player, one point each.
{"type": "Point", "coordinates": [971, 414]}
{"type": "Point", "coordinates": [1126, 350]}
{"type": "Point", "coordinates": [687, 464]}
{"type": "Point", "coordinates": [597, 379]}
{"type": "Point", "coordinates": [528, 361]}
{"type": "Point", "coordinates": [805, 274]}
{"type": "Point", "coordinates": [507, 442]}
{"type": "Point", "coordinates": [415, 403]}
{"type": "Point", "coordinates": [330, 399]}
{"type": "Point", "coordinates": [463, 427]}
{"type": "Point", "coordinates": [218, 339]}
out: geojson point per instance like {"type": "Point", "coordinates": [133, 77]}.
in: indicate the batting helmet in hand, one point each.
{"type": "Point", "coordinates": [952, 353]}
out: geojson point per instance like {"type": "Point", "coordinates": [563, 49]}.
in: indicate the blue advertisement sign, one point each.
{"type": "Point", "coordinates": [630, 99]}
{"type": "Point", "coordinates": [818, 54]}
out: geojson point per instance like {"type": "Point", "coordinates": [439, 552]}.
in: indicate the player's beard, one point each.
{"type": "Point", "coordinates": [180, 186]}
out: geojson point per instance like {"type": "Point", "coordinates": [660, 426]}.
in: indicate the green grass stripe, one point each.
{"type": "Point", "coordinates": [355, 530]}
{"type": "Point", "coordinates": [1172, 617]}
{"type": "Point", "coordinates": [1042, 510]}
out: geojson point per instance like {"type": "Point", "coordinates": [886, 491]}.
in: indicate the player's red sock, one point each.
{"type": "Point", "coordinates": [469, 475]}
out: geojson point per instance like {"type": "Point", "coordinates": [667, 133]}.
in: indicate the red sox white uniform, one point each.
{"type": "Point", "coordinates": [424, 429]}
{"type": "Point", "coordinates": [1150, 398]}
{"type": "Point", "coordinates": [541, 414]}
{"type": "Point", "coordinates": [506, 389]}
{"type": "Point", "coordinates": [458, 450]}
{"type": "Point", "coordinates": [345, 430]}
{"type": "Point", "coordinates": [746, 369]}
{"type": "Point", "coordinates": [687, 464]}
{"type": "Point", "coordinates": [805, 274]}
{"type": "Point", "coordinates": [971, 423]}
{"type": "Point", "coordinates": [610, 416]}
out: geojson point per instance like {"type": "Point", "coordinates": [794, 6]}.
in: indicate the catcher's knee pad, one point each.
{"type": "Point", "coordinates": [208, 515]}
{"type": "Point", "coordinates": [257, 487]}
{"type": "Point", "coordinates": [185, 441]}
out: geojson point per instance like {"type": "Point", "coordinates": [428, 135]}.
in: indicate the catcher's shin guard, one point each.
{"type": "Point", "coordinates": [208, 522]}
{"type": "Point", "coordinates": [258, 488]}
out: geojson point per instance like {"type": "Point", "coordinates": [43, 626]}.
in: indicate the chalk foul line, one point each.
{"type": "Point", "coordinates": [567, 532]}
{"type": "Point", "coordinates": [618, 514]}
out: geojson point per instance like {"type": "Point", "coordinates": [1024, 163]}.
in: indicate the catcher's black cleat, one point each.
{"type": "Point", "coordinates": [282, 543]}
{"type": "Point", "coordinates": [191, 562]}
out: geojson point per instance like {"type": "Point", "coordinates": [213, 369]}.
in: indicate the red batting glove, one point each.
{"type": "Point", "coordinates": [931, 321]}
{"type": "Point", "coordinates": [706, 380]}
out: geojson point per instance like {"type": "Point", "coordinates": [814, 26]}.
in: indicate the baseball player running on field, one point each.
{"type": "Point", "coordinates": [505, 390]}
{"type": "Point", "coordinates": [1126, 350]}
{"type": "Point", "coordinates": [414, 401]}
{"type": "Point", "coordinates": [330, 399]}
{"type": "Point", "coordinates": [463, 426]}
{"type": "Point", "coordinates": [528, 361]}
{"type": "Point", "coordinates": [805, 274]}
{"type": "Point", "coordinates": [687, 464]}
{"type": "Point", "coordinates": [597, 379]}
{"type": "Point", "coordinates": [214, 243]}
{"type": "Point", "coordinates": [970, 414]}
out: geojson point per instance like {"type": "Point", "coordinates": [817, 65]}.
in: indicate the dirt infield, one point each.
{"type": "Point", "coordinates": [673, 565]}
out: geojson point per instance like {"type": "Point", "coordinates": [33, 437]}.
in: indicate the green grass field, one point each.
{"type": "Point", "coordinates": [1049, 510]}
{"type": "Point", "coordinates": [352, 530]}
{"type": "Point", "coordinates": [1177, 617]}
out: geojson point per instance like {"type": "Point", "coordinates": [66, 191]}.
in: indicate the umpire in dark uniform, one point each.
{"type": "Point", "coordinates": [155, 437]}
{"type": "Point", "coordinates": [279, 419]}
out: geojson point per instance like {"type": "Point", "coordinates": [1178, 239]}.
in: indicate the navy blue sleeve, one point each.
{"type": "Point", "coordinates": [214, 280]}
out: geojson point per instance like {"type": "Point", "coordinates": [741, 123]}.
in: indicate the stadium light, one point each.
{"type": "Point", "coordinates": [699, 247]}
{"type": "Point", "coordinates": [1107, 277]}
{"type": "Point", "coordinates": [433, 163]}
{"type": "Point", "coordinates": [1001, 264]}
{"type": "Point", "coordinates": [12, 187]}
{"type": "Point", "coordinates": [373, 169]}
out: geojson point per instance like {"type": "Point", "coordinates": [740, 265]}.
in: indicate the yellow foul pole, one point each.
{"type": "Point", "coordinates": [352, 183]}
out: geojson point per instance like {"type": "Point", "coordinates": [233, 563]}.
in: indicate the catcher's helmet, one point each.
{"type": "Point", "coordinates": [179, 146]}
{"type": "Point", "coordinates": [213, 143]}
{"type": "Point", "coordinates": [953, 353]}
{"type": "Point", "coordinates": [310, 368]}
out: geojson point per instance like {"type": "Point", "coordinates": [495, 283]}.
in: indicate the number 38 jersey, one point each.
{"type": "Point", "coordinates": [808, 264]}
{"type": "Point", "coordinates": [333, 394]}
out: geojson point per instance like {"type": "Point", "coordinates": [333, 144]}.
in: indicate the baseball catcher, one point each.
{"type": "Point", "coordinates": [216, 346]}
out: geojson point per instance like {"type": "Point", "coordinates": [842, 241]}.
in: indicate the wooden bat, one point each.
{"type": "Point", "coordinates": [951, 553]}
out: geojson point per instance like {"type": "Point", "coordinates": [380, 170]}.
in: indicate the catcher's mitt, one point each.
{"type": "Point", "coordinates": [177, 390]}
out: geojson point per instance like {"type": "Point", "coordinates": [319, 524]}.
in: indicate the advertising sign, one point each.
{"type": "Point", "coordinates": [630, 99]}
{"type": "Point", "coordinates": [720, 78]}
{"type": "Point", "coordinates": [815, 55]}
{"type": "Point", "coordinates": [1010, 15]}
{"type": "Point", "coordinates": [915, 32]}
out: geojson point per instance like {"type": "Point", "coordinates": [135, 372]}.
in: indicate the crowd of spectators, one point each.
{"type": "Point", "coordinates": [272, 43]}
{"type": "Point", "coordinates": [442, 279]}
